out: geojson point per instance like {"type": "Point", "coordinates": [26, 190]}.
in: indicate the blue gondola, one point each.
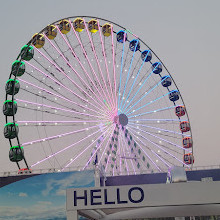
{"type": "Point", "coordinates": [134, 45]}
{"type": "Point", "coordinates": [157, 67]}
{"type": "Point", "coordinates": [166, 81]}
{"type": "Point", "coordinates": [121, 36]}
{"type": "Point", "coordinates": [174, 95]}
{"type": "Point", "coordinates": [146, 55]}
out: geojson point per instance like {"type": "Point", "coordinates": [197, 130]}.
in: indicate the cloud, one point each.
{"type": "Point", "coordinates": [44, 202]}
{"type": "Point", "coordinates": [61, 192]}
{"type": "Point", "coordinates": [21, 194]}
{"type": "Point", "coordinates": [35, 212]}
{"type": "Point", "coordinates": [76, 179]}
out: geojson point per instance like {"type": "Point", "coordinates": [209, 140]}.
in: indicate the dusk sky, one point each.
{"type": "Point", "coordinates": [184, 34]}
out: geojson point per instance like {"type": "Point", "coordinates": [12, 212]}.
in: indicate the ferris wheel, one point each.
{"type": "Point", "coordinates": [85, 91]}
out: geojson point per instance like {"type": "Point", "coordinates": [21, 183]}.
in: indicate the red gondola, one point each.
{"type": "Point", "coordinates": [180, 110]}
{"type": "Point", "coordinates": [188, 158]}
{"type": "Point", "coordinates": [187, 142]}
{"type": "Point", "coordinates": [184, 126]}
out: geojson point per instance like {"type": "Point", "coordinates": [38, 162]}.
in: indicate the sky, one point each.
{"type": "Point", "coordinates": [184, 34]}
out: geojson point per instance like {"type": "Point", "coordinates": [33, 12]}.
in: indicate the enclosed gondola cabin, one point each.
{"type": "Point", "coordinates": [187, 142]}
{"type": "Point", "coordinates": [166, 81]}
{"type": "Point", "coordinates": [146, 55]}
{"type": "Point", "coordinates": [174, 95]}
{"type": "Point", "coordinates": [27, 52]}
{"type": "Point", "coordinates": [38, 40]}
{"type": "Point", "coordinates": [11, 130]}
{"type": "Point", "coordinates": [157, 67]}
{"type": "Point", "coordinates": [93, 26]}
{"type": "Point", "coordinates": [107, 29]}
{"type": "Point", "coordinates": [9, 108]}
{"type": "Point", "coordinates": [121, 36]}
{"type": "Point", "coordinates": [16, 154]}
{"type": "Point", "coordinates": [78, 24]}
{"type": "Point", "coordinates": [180, 110]}
{"type": "Point", "coordinates": [188, 159]}
{"type": "Point", "coordinates": [18, 68]}
{"type": "Point", "coordinates": [51, 31]}
{"type": "Point", "coordinates": [12, 86]}
{"type": "Point", "coordinates": [184, 126]}
{"type": "Point", "coordinates": [134, 45]}
{"type": "Point", "coordinates": [64, 26]}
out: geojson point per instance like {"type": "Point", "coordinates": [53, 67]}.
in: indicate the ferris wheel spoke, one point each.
{"type": "Point", "coordinates": [55, 123]}
{"type": "Point", "coordinates": [150, 134]}
{"type": "Point", "coordinates": [75, 56]}
{"type": "Point", "coordinates": [151, 102]}
{"type": "Point", "coordinates": [141, 88]}
{"type": "Point", "coordinates": [57, 136]}
{"type": "Point", "coordinates": [64, 149]}
{"type": "Point", "coordinates": [60, 84]}
{"type": "Point", "coordinates": [98, 148]}
{"type": "Point", "coordinates": [128, 95]}
{"type": "Point", "coordinates": [126, 149]}
{"type": "Point", "coordinates": [157, 120]}
{"type": "Point", "coordinates": [167, 152]}
{"type": "Point", "coordinates": [99, 67]}
{"type": "Point", "coordinates": [131, 62]}
{"type": "Point", "coordinates": [122, 59]}
{"type": "Point", "coordinates": [60, 109]}
{"type": "Point", "coordinates": [92, 69]}
{"type": "Point", "coordinates": [158, 168]}
{"type": "Point", "coordinates": [161, 158]}
{"type": "Point", "coordinates": [86, 149]}
{"type": "Point", "coordinates": [113, 62]}
{"type": "Point", "coordinates": [157, 155]}
{"type": "Point", "coordinates": [57, 93]}
{"type": "Point", "coordinates": [125, 160]}
{"type": "Point", "coordinates": [106, 65]}
{"type": "Point", "coordinates": [159, 129]}
{"type": "Point", "coordinates": [59, 96]}
{"type": "Point", "coordinates": [119, 154]}
{"type": "Point", "coordinates": [176, 145]}
{"type": "Point", "coordinates": [104, 152]}
{"type": "Point", "coordinates": [102, 114]}
{"type": "Point", "coordinates": [83, 91]}
{"type": "Point", "coordinates": [152, 112]}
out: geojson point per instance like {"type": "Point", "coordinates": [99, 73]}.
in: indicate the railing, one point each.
{"type": "Point", "coordinates": [80, 168]}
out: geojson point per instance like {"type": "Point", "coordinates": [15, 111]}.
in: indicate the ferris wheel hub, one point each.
{"type": "Point", "coordinates": [123, 119]}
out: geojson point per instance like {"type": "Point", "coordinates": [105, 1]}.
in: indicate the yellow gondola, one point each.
{"type": "Point", "coordinates": [64, 26]}
{"type": "Point", "coordinates": [38, 40]}
{"type": "Point", "coordinates": [78, 24]}
{"type": "Point", "coordinates": [51, 31]}
{"type": "Point", "coordinates": [93, 26]}
{"type": "Point", "coordinates": [106, 29]}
